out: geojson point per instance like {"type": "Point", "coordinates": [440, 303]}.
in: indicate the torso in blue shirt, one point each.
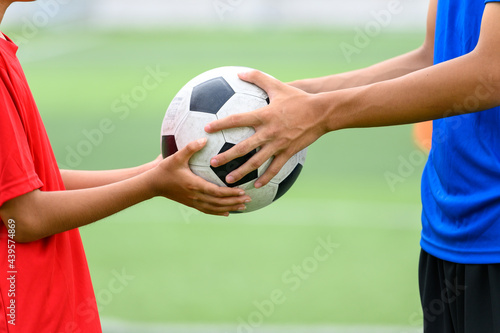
{"type": "Point", "coordinates": [461, 181]}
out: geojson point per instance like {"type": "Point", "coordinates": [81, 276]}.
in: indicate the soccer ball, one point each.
{"type": "Point", "coordinates": [210, 96]}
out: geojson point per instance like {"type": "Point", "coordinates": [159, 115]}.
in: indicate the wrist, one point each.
{"type": "Point", "coordinates": [151, 177]}
{"type": "Point", "coordinates": [150, 165]}
{"type": "Point", "coordinates": [310, 86]}
{"type": "Point", "coordinates": [336, 111]}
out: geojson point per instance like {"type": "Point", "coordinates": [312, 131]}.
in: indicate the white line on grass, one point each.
{"type": "Point", "coordinates": [116, 326]}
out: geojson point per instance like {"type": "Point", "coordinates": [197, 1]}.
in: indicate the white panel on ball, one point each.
{"type": "Point", "coordinates": [239, 103]}
{"type": "Point", "coordinates": [260, 197]}
{"type": "Point", "coordinates": [176, 111]}
{"type": "Point", "coordinates": [241, 86]}
{"type": "Point", "coordinates": [192, 128]}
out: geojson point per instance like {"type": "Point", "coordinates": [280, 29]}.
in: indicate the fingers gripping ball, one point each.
{"type": "Point", "coordinates": [213, 95]}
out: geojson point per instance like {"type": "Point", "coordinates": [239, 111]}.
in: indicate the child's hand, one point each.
{"type": "Point", "coordinates": [174, 180]}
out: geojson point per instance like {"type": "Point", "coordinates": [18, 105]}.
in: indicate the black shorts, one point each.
{"type": "Point", "coordinates": [459, 298]}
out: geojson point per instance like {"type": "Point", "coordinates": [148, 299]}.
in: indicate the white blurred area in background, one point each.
{"type": "Point", "coordinates": [403, 14]}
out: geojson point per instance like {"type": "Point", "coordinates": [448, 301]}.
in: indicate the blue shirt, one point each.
{"type": "Point", "coordinates": [461, 180]}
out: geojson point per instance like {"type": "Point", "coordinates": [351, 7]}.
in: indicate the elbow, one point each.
{"type": "Point", "coordinates": [27, 237]}
{"type": "Point", "coordinates": [426, 54]}
{"type": "Point", "coordinates": [488, 89]}
{"type": "Point", "coordinates": [23, 230]}
{"type": "Point", "coordinates": [24, 225]}
{"type": "Point", "coordinates": [491, 82]}
{"type": "Point", "coordinates": [487, 85]}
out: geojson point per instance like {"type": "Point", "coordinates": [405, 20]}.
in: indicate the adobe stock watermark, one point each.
{"type": "Point", "coordinates": [223, 7]}
{"type": "Point", "coordinates": [116, 285]}
{"type": "Point", "coordinates": [120, 110]}
{"type": "Point", "coordinates": [437, 306]}
{"type": "Point", "coordinates": [292, 279]}
{"type": "Point", "coordinates": [416, 159]}
{"type": "Point", "coordinates": [10, 304]}
{"type": "Point", "coordinates": [30, 27]}
{"type": "Point", "coordinates": [86, 310]}
{"type": "Point", "coordinates": [406, 168]}
{"type": "Point", "coordinates": [363, 36]}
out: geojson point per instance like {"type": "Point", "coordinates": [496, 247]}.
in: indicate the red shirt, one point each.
{"type": "Point", "coordinates": [45, 286]}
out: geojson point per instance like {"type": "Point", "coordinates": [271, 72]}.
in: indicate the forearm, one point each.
{"type": "Point", "coordinates": [41, 214]}
{"type": "Point", "coordinates": [54, 212]}
{"type": "Point", "coordinates": [79, 179]}
{"type": "Point", "coordinates": [455, 87]}
{"type": "Point", "coordinates": [386, 70]}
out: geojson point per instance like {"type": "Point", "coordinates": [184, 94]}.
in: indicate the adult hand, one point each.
{"type": "Point", "coordinates": [173, 179]}
{"type": "Point", "coordinates": [292, 121]}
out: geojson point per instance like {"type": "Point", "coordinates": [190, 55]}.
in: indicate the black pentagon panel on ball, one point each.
{"type": "Point", "coordinates": [223, 170]}
{"type": "Point", "coordinates": [168, 145]}
{"type": "Point", "coordinates": [287, 183]}
{"type": "Point", "coordinates": [211, 95]}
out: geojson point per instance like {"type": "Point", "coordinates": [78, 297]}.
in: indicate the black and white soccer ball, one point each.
{"type": "Point", "coordinates": [213, 95]}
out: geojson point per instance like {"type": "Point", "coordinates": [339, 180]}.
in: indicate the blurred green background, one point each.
{"type": "Point", "coordinates": [180, 266]}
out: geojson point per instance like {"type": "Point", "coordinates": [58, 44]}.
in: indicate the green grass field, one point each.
{"type": "Point", "coordinates": [181, 266]}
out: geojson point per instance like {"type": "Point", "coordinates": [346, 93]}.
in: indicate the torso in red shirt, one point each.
{"type": "Point", "coordinates": [45, 285]}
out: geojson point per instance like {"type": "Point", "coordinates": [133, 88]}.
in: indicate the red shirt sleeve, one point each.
{"type": "Point", "coordinates": [17, 171]}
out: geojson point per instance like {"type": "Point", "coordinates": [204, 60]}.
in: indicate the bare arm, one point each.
{"type": "Point", "coordinates": [439, 91]}
{"type": "Point", "coordinates": [79, 179]}
{"type": "Point", "coordinates": [295, 119]}
{"type": "Point", "coordinates": [40, 214]}
{"type": "Point", "coordinates": [386, 70]}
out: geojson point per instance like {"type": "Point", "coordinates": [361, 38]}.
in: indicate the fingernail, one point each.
{"type": "Point", "coordinates": [257, 185]}
{"type": "Point", "coordinates": [248, 200]}
{"type": "Point", "coordinates": [214, 162]}
{"type": "Point", "coordinates": [208, 128]}
{"type": "Point", "coordinates": [242, 207]}
{"type": "Point", "coordinates": [202, 141]}
{"type": "Point", "coordinates": [241, 193]}
{"type": "Point", "coordinates": [230, 179]}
